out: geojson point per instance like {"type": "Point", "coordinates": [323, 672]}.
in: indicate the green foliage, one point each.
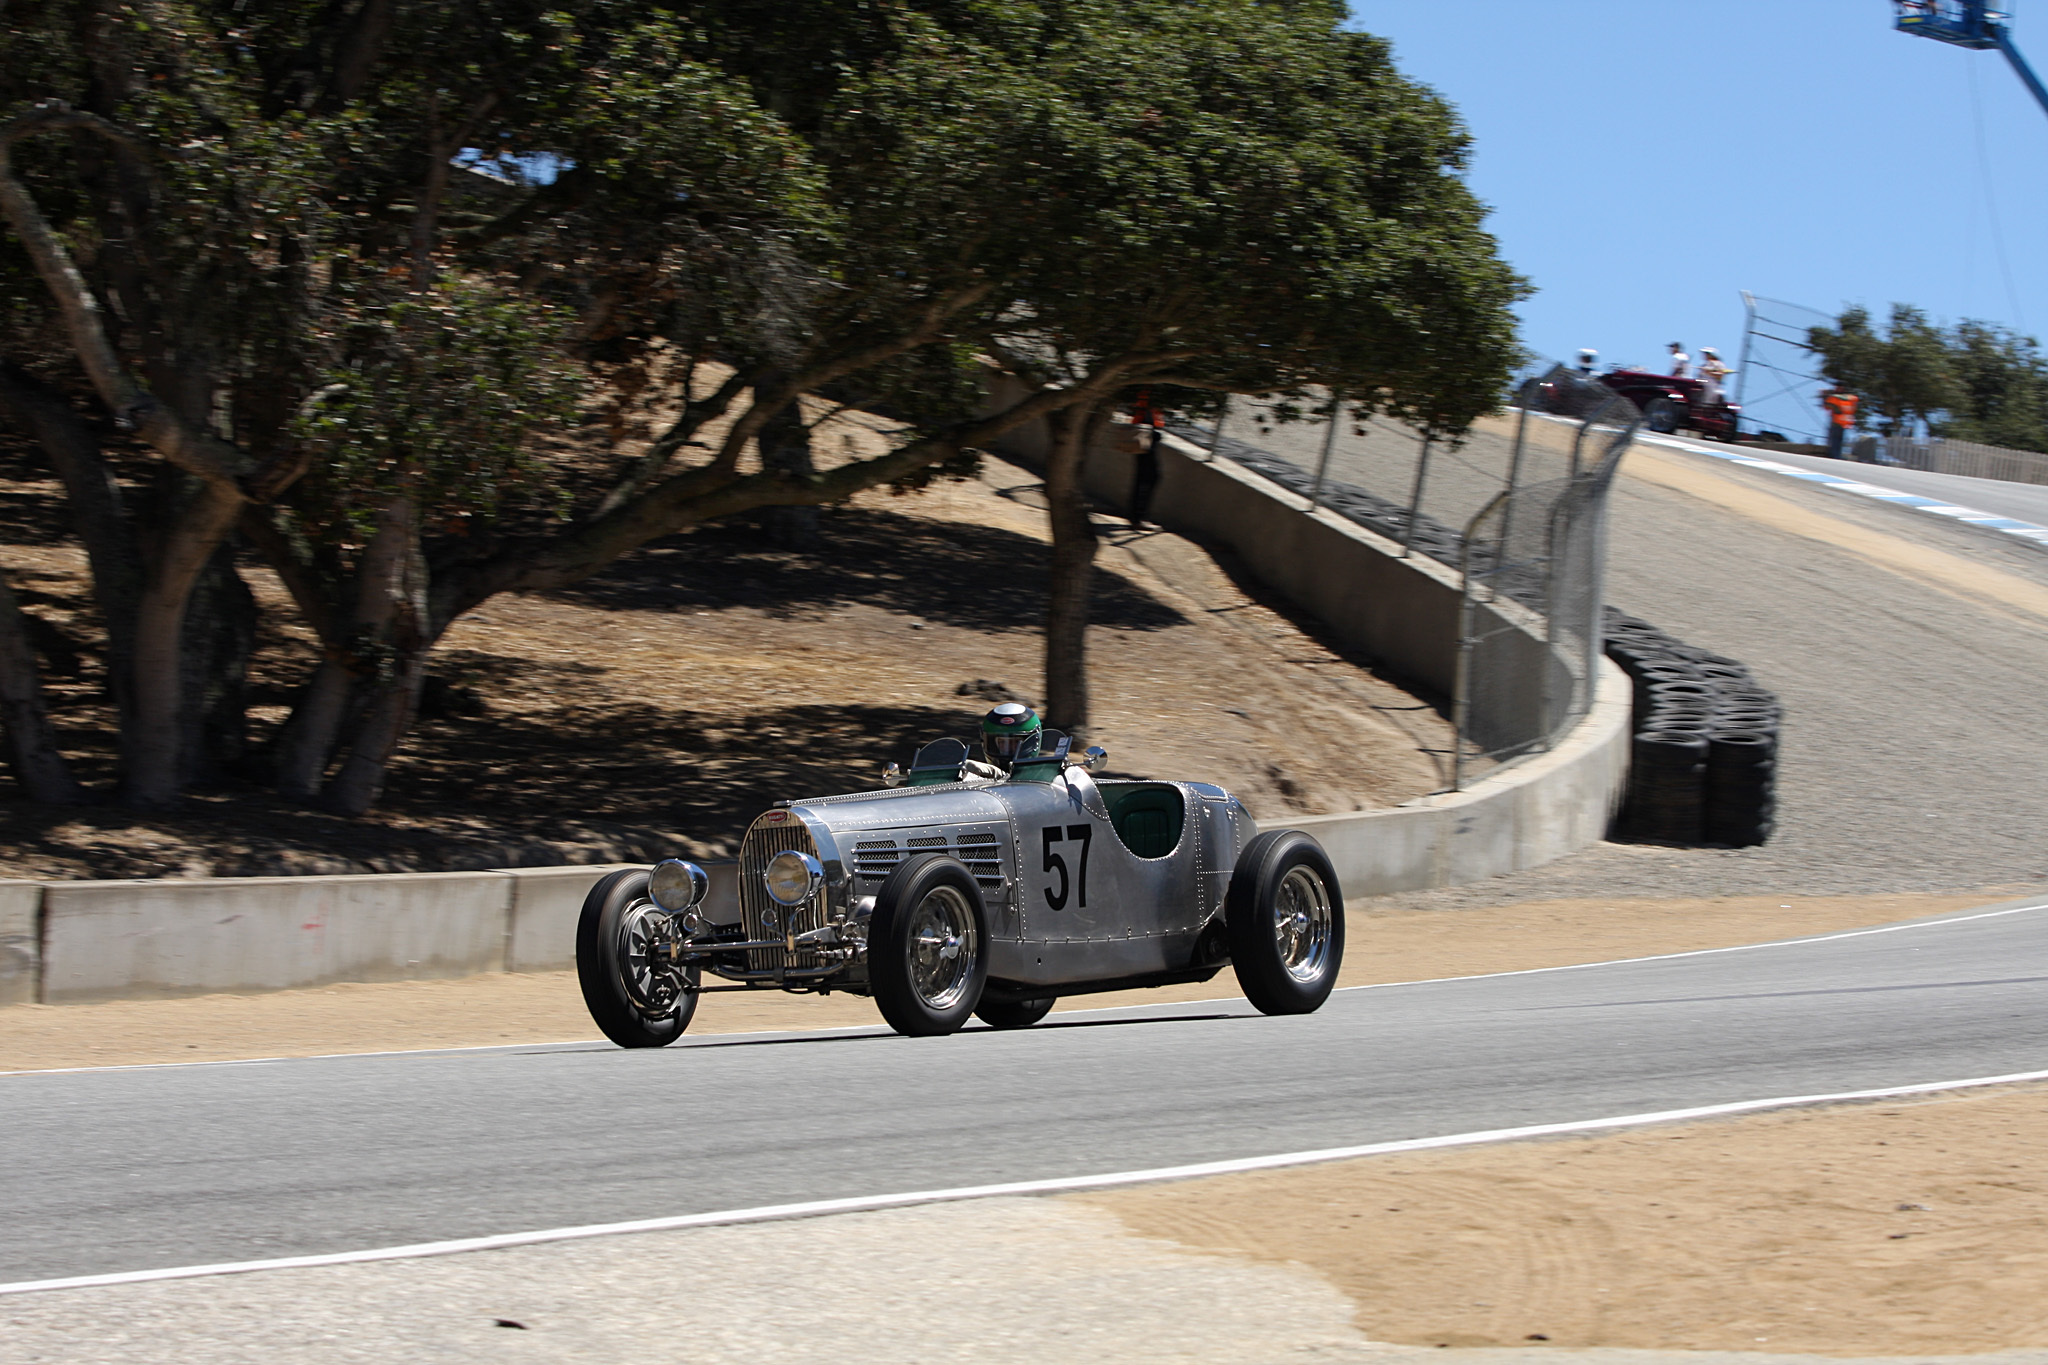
{"type": "Point", "coordinates": [382, 249]}
{"type": "Point", "coordinates": [1974, 381]}
{"type": "Point", "coordinates": [437, 395]}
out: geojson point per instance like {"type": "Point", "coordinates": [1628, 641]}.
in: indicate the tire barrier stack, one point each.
{"type": "Point", "coordinates": [1375, 513]}
{"type": "Point", "coordinates": [1704, 757]}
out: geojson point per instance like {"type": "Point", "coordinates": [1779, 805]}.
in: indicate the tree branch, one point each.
{"type": "Point", "coordinates": [687, 424]}
{"type": "Point", "coordinates": [208, 457]}
{"type": "Point", "coordinates": [930, 327]}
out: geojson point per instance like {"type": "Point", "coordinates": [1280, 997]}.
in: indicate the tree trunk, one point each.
{"type": "Point", "coordinates": [359, 781]}
{"type": "Point", "coordinates": [219, 638]}
{"type": "Point", "coordinates": [31, 742]}
{"type": "Point", "coordinates": [93, 499]}
{"type": "Point", "coordinates": [158, 762]}
{"type": "Point", "coordinates": [409, 638]}
{"type": "Point", "coordinates": [1073, 566]}
{"type": "Point", "coordinates": [314, 731]}
{"type": "Point", "coordinates": [786, 449]}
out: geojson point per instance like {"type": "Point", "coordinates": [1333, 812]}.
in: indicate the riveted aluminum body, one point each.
{"type": "Point", "coordinates": [1085, 880]}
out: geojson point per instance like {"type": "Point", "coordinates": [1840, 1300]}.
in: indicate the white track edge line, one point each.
{"type": "Point", "coordinates": [1710, 952]}
{"type": "Point", "coordinates": [1099, 1009]}
{"type": "Point", "coordinates": [1063, 1185]}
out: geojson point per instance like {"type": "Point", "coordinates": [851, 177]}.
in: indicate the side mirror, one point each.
{"type": "Point", "coordinates": [1094, 758]}
{"type": "Point", "coordinates": [892, 776]}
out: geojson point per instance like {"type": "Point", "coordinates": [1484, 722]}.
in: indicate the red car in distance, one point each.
{"type": "Point", "coordinates": [1671, 404]}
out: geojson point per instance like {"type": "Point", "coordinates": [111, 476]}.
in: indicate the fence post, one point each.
{"type": "Point", "coordinates": [1216, 432]}
{"type": "Point", "coordinates": [1315, 499]}
{"type": "Point", "coordinates": [1461, 685]}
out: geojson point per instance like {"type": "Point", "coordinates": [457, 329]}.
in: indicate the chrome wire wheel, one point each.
{"type": "Point", "coordinates": [635, 992]}
{"type": "Point", "coordinates": [944, 947]}
{"type": "Point", "coordinates": [1302, 924]}
{"type": "Point", "coordinates": [651, 981]}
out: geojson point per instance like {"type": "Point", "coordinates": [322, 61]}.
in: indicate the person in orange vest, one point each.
{"type": "Point", "coordinates": [1148, 426]}
{"type": "Point", "coordinates": [1841, 405]}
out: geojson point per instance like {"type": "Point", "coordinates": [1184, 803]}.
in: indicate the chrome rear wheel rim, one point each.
{"type": "Point", "coordinates": [944, 946]}
{"type": "Point", "coordinates": [1303, 925]}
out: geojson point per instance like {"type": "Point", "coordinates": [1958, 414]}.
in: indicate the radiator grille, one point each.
{"type": "Point", "coordinates": [763, 841]}
{"type": "Point", "coordinates": [984, 858]}
{"type": "Point", "coordinates": [875, 859]}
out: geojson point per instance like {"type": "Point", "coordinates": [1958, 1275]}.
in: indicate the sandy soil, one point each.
{"type": "Point", "coordinates": [1887, 1229]}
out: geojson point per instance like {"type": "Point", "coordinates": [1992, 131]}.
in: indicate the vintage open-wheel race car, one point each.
{"type": "Point", "coordinates": [947, 896]}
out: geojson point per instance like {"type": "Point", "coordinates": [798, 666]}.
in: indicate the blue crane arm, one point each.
{"type": "Point", "coordinates": [2003, 35]}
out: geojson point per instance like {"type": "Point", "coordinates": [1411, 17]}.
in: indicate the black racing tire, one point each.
{"type": "Point", "coordinates": [1663, 416]}
{"type": "Point", "coordinates": [924, 907]}
{"type": "Point", "coordinates": [1014, 1013]}
{"type": "Point", "coordinates": [606, 935]}
{"type": "Point", "coordinates": [1284, 917]}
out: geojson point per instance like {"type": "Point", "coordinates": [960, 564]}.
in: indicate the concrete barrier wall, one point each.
{"type": "Point", "coordinates": [103, 940]}
{"type": "Point", "coordinates": [546, 902]}
{"type": "Point", "coordinates": [21, 942]}
{"type": "Point", "coordinates": [1524, 815]}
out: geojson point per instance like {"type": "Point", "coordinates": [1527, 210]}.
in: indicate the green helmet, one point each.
{"type": "Point", "coordinates": [1010, 732]}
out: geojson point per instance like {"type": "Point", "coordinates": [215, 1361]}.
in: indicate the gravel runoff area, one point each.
{"type": "Point", "coordinates": [1007, 1280]}
{"type": "Point", "coordinates": [1909, 653]}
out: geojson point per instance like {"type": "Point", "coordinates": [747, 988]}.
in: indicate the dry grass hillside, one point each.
{"type": "Point", "coordinates": [661, 704]}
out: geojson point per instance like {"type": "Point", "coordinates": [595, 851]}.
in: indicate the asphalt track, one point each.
{"type": "Point", "coordinates": [2020, 507]}
{"type": "Point", "coordinates": [133, 1169]}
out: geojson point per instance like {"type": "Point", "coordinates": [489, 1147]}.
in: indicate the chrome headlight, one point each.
{"type": "Point", "coordinates": [675, 885]}
{"type": "Point", "coordinates": [792, 877]}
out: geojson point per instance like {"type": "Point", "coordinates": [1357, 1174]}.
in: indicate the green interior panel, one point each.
{"type": "Point", "coordinates": [1147, 817]}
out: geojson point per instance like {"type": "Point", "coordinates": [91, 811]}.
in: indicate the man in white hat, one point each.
{"type": "Point", "coordinates": [1715, 373]}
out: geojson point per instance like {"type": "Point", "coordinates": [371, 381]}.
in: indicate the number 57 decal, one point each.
{"type": "Point", "coordinates": [1055, 863]}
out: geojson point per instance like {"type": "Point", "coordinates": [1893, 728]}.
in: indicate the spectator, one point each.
{"type": "Point", "coordinates": [1714, 374]}
{"type": "Point", "coordinates": [1147, 430]}
{"type": "Point", "coordinates": [1588, 358]}
{"type": "Point", "coordinates": [1680, 361]}
{"type": "Point", "coordinates": [1841, 405]}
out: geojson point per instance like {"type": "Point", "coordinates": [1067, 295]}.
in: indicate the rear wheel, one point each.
{"type": "Point", "coordinates": [1662, 416]}
{"type": "Point", "coordinates": [636, 996]}
{"type": "Point", "coordinates": [1285, 919]}
{"type": "Point", "coordinates": [1014, 1013]}
{"type": "Point", "coordinates": [928, 947]}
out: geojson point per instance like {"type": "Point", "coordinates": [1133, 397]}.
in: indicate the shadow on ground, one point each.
{"type": "Point", "coordinates": [975, 577]}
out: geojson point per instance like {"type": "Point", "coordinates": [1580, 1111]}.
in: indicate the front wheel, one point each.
{"type": "Point", "coordinates": [1285, 920]}
{"type": "Point", "coordinates": [928, 947]}
{"type": "Point", "coordinates": [636, 996]}
{"type": "Point", "coordinates": [1014, 1013]}
{"type": "Point", "coordinates": [1662, 416]}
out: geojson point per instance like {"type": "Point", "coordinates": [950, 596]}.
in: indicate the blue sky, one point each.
{"type": "Point", "coordinates": [1646, 160]}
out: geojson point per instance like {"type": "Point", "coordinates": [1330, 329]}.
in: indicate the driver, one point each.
{"type": "Point", "coordinates": [1009, 732]}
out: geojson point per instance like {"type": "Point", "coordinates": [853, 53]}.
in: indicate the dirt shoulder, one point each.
{"type": "Point", "coordinates": [1874, 1230]}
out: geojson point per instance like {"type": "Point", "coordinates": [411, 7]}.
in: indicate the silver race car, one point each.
{"type": "Point", "coordinates": [949, 895]}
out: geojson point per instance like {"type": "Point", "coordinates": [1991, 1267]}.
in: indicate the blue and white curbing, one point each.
{"type": "Point", "coordinates": [2013, 526]}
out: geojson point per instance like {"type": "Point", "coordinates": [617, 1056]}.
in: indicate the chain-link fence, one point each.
{"type": "Point", "coordinates": [1531, 495]}
{"type": "Point", "coordinates": [1532, 566]}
